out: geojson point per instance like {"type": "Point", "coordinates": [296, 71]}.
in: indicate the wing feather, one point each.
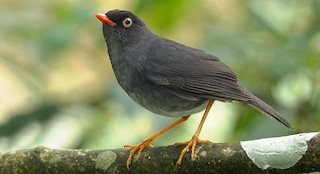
{"type": "Point", "coordinates": [190, 73]}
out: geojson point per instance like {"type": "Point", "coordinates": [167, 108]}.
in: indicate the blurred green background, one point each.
{"type": "Point", "coordinates": [57, 87]}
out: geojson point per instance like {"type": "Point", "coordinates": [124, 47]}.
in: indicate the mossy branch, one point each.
{"type": "Point", "coordinates": [291, 154]}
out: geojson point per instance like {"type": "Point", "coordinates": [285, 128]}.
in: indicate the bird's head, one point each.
{"type": "Point", "coordinates": [121, 26]}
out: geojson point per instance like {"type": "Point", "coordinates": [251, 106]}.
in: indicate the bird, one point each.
{"type": "Point", "coordinates": [169, 78]}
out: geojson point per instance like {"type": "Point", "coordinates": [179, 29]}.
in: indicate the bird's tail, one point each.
{"type": "Point", "coordinates": [265, 108]}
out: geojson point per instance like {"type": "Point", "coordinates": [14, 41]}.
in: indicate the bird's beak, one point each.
{"type": "Point", "coordinates": [103, 18]}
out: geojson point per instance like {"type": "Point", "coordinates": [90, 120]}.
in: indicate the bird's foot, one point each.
{"type": "Point", "coordinates": [145, 143]}
{"type": "Point", "coordinates": [189, 144]}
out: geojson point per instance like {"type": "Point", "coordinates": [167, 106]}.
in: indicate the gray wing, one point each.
{"type": "Point", "coordinates": [191, 73]}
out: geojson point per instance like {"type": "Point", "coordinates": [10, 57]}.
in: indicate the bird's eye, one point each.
{"type": "Point", "coordinates": [127, 22]}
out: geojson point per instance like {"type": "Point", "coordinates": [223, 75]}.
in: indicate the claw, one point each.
{"type": "Point", "coordinates": [189, 144]}
{"type": "Point", "coordinates": [195, 138]}
{"type": "Point", "coordinates": [145, 143]}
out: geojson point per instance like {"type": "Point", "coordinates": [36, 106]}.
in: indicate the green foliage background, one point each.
{"type": "Point", "coordinates": [57, 87]}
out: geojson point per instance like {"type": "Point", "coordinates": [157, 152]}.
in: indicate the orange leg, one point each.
{"type": "Point", "coordinates": [146, 142]}
{"type": "Point", "coordinates": [195, 138]}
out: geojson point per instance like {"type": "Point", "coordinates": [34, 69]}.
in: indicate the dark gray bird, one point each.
{"type": "Point", "coordinates": [169, 78]}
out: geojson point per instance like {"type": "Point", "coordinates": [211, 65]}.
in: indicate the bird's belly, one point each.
{"type": "Point", "coordinates": [160, 101]}
{"type": "Point", "coordinates": [154, 97]}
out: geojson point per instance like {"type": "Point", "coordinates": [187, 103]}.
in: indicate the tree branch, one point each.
{"type": "Point", "coordinates": [291, 154]}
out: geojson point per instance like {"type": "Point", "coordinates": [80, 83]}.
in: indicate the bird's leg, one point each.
{"type": "Point", "coordinates": [195, 138]}
{"type": "Point", "coordinates": [146, 142]}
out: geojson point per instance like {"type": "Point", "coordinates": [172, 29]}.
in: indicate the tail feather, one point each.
{"type": "Point", "coordinates": [258, 104]}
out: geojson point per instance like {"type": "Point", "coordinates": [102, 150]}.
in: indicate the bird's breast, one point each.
{"type": "Point", "coordinates": [153, 97]}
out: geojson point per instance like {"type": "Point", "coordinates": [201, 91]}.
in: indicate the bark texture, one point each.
{"type": "Point", "coordinates": [210, 158]}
